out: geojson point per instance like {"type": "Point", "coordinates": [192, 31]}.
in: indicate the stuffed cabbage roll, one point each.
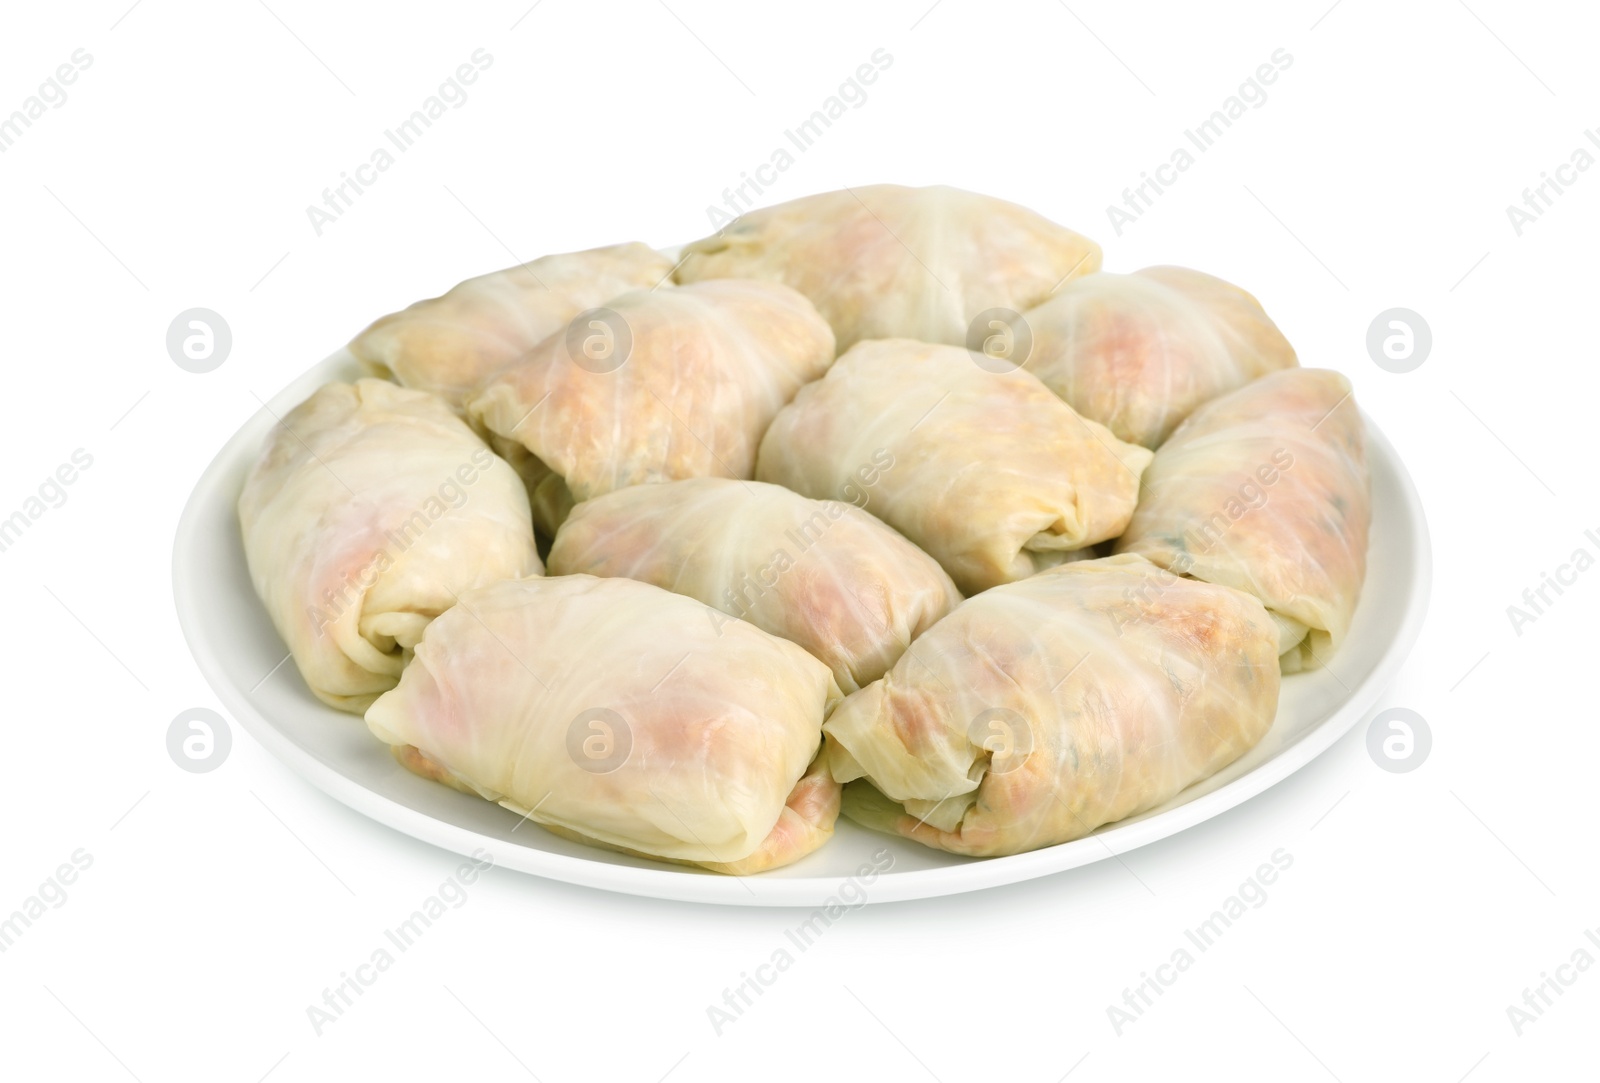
{"type": "Point", "coordinates": [820, 573]}
{"type": "Point", "coordinates": [614, 711]}
{"type": "Point", "coordinates": [1266, 489]}
{"type": "Point", "coordinates": [668, 384]}
{"type": "Point", "coordinates": [989, 472]}
{"type": "Point", "coordinates": [1040, 710]}
{"type": "Point", "coordinates": [370, 508]}
{"type": "Point", "coordinates": [450, 345]}
{"type": "Point", "coordinates": [886, 261]}
{"type": "Point", "coordinates": [1138, 352]}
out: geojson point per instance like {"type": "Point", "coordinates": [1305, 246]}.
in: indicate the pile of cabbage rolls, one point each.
{"type": "Point", "coordinates": [887, 502]}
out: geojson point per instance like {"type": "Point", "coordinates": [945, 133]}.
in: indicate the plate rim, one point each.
{"type": "Point", "coordinates": [684, 885]}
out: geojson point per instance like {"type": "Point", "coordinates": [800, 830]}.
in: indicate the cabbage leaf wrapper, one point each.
{"type": "Point", "coordinates": [1040, 710]}
{"type": "Point", "coordinates": [820, 573]}
{"type": "Point", "coordinates": [1139, 352]}
{"type": "Point", "coordinates": [988, 471]}
{"type": "Point", "coordinates": [369, 510]}
{"type": "Point", "coordinates": [886, 261]}
{"type": "Point", "coordinates": [1266, 489]}
{"type": "Point", "coordinates": [451, 344]}
{"type": "Point", "coordinates": [675, 383]}
{"type": "Point", "coordinates": [616, 712]}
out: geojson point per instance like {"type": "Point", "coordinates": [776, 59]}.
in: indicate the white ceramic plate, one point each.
{"type": "Point", "coordinates": [237, 648]}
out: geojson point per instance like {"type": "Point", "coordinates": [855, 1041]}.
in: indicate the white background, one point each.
{"type": "Point", "coordinates": [1377, 174]}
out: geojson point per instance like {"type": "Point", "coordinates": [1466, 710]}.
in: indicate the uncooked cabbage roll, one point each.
{"type": "Point", "coordinates": [1040, 710]}
{"type": "Point", "coordinates": [615, 712]}
{"type": "Point", "coordinates": [886, 261]}
{"type": "Point", "coordinates": [674, 383]}
{"type": "Point", "coordinates": [1266, 490]}
{"type": "Point", "coordinates": [820, 573]}
{"type": "Point", "coordinates": [370, 508]}
{"type": "Point", "coordinates": [1138, 352]}
{"type": "Point", "coordinates": [988, 471]}
{"type": "Point", "coordinates": [450, 345]}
